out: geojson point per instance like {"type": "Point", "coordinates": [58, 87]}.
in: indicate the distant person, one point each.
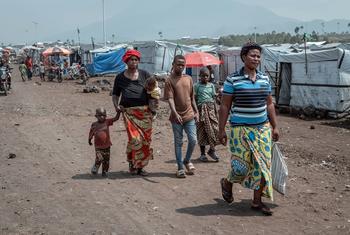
{"type": "Point", "coordinates": [65, 68]}
{"type": "Point", "coordinates": [247, 101]}
{"type": "Point", "coordinates": [29, 64]}
{"type": "Point", "coordinates": [208, 123]}
{"type": "Point", "coordinates": [211, 74]}
{"type": "Point", "coordinates": [179, 93]}
{"type": "Point", "coordinates": [99, 131]}
{"type": "Point", "coordinates": [23, 71]}
{"type": "Point", "coordinates": [42, 71]}
{"type": "Point", "coordinates": [154, 93]}
{"type": "Point", "coordinates": [130, 85]}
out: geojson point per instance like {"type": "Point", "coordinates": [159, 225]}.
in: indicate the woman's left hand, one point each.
{"type": "Point", "coordinates": [196, 117]}
{"type": "Point", "coordinates": [275, 134]}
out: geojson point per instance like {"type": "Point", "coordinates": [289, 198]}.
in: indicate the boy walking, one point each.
{"type": "Point", "coordinates": [184, 114]}
{"type": "Point", "coordinates": [100, 132]}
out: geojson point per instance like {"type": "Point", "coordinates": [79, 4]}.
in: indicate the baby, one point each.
{"type": "Point", "coordinates": [154, 93]}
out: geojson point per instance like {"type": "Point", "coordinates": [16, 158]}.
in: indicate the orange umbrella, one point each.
{"type": "Point", "coordinates": [201, 59]}
{"type": "Point", "coordinates": [56, 50]}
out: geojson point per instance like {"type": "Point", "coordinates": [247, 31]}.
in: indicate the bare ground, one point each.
{"type": "Point", "coordinates": [47, 187]}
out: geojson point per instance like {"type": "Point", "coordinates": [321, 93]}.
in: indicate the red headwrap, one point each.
{"type": "Point", "coordinates": [130, 53]}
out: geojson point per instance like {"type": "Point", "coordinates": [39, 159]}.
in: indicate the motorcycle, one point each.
{"type": "Point", "coordinates": [55, 72]}
{"type": "Point", "coordinates": [74, 72]}
{"type": "Point", "coordinates": [5, 79]}
{"type": "Point", "coordinates": [77, 71]}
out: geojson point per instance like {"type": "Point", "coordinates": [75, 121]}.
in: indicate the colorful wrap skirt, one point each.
{"type": "Point", "coordinates": [250, 148]}
{"type": "Point", "coordinates": [208, 125]}
{"type": "Point", "coordinates": [138, 124]}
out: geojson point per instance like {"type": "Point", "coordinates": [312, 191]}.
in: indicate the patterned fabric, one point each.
{"type": "Point", "coordinates": [250, 147]}
{"type": "Point", "coordinates": [208, 125]}
{"type": "Point", "coordinates": [138, 124]}
{"type": "Point", "coordinates": [249, 98]}
{"type": "Point", "coordinates": [102, 157]}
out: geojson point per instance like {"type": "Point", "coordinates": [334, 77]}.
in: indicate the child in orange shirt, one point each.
{"type": "Point", "coordinates": [100, 132]}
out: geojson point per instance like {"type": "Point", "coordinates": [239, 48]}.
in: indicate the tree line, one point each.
{"type": "Point", "coordinates": [270, 38]}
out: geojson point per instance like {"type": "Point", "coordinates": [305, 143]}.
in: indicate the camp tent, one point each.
{"type": "Point", "coordinates": [157, 56]}
{"type": "Point", "coordinates": [106, 60]}
{"type": "Point", "coordinates": [321, 80]}
{"type": "Point", "coordinates": [231, 61]}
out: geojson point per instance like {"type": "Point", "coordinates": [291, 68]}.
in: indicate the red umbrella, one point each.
{"type": "Point", "coordinates": [201, 59]}
{"type": "Point", "coordinates": [56, 50]}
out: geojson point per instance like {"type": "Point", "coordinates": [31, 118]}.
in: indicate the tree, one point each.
{"type": "Point", "coordinates": [296, 30]}
{"type": "Point", "coordinates": [314, 35]}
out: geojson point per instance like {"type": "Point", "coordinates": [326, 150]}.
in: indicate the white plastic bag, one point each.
{"type": "Point", "coordinates": [279, 170]}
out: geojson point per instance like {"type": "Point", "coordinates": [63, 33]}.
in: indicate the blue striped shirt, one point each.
{"type": "Point", "coordinates": [249, 98]}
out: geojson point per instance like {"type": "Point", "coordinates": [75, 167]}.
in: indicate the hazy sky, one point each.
{"type": "Point", "coordinates": [18, 18]}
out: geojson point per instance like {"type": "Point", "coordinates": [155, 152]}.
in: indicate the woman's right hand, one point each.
{"type": "Point", "coordinates": [119, 109]}
{"type": "Point", "coordinates": [223, 137]}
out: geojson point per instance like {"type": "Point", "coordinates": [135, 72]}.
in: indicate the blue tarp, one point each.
{"type": "Point", "coordinates": [108, 62]}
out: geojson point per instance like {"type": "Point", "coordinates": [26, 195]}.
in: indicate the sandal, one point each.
{"type": "Point", "coordinates": [226, 195]}
{"type": "Point", "coordinates": [263, 208]}
{"type": "Point", "coordinates": [180, 174]}
{"type": "Point", "coordinates": [213, 155]}
{"type": "Point", "coordinates": [203, 158]}
{"type": "Point", "coordinates": [142, 172]}
{"type": "Point", "coordinates": [190, 168]}
{"type": "Point", "coordinates": [132, 169]}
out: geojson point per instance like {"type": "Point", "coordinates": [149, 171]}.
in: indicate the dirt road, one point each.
{"type": "Point", "coordinates": [47, 187]}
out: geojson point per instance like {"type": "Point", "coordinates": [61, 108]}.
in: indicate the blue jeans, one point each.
{"type": "Point", "coordinates": [191, 131]}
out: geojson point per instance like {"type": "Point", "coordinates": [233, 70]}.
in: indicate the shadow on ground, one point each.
{"type": "Point", "coordinates": [123, 175]}
{"type": "Point", "coordinates": [220, 207]}
{"type": "Point", "coordinates": [342, 123]}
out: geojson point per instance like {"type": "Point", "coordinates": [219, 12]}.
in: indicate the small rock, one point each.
{"type": "Point", "coordinates": [11, 155]}
{"type": "Point", "coordinates": [58, 139]}
{"type": "Point", "coordinates": [155, 208]}
{"type": "Point", "coordinates": [17, 124]}
{"type": "Point", "coordinates": [312, 127]}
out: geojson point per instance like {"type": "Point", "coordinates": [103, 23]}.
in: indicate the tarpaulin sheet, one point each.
{"type": "Point", "coordinates": [109, 62]}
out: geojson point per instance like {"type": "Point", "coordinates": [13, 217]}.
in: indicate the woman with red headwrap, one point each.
{"type": "Point", "coordinates": [130, 85]}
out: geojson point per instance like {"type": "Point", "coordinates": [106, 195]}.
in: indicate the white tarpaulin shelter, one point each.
{"type": "Point", "coordinates": [231, 61]}
{"type": "Point", "coordinates": [321, 80]}
{"type": "Point", "coordinates": [157, 56]}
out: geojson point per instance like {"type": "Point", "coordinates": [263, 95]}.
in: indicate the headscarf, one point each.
{"type": "Point", "coordinates": [130, 53]}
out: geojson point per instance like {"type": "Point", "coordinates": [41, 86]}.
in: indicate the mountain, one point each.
{"type": "Point", "coordinates": [143, 20]}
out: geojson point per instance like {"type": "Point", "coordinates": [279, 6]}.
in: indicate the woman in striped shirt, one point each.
{"type": "Point", "coordinates": [247, 102]}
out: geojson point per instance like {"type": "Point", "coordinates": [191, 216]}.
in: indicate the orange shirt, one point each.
{"type": "Point", "coordinates": [100, 132]}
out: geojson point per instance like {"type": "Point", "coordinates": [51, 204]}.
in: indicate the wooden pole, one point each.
{"type": "Point", "coordinates": [305, 53]}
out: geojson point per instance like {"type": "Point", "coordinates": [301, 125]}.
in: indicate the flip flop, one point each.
{"type": "Point", "coordinates": [263, 208]}
{"type": "Point", "coordinates": [226, 195]}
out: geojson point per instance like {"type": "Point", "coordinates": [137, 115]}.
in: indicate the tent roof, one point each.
{"type": "Point", "coordinates": [108, 49]}
{"type": "Point", "coordinates": [312, 56]}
